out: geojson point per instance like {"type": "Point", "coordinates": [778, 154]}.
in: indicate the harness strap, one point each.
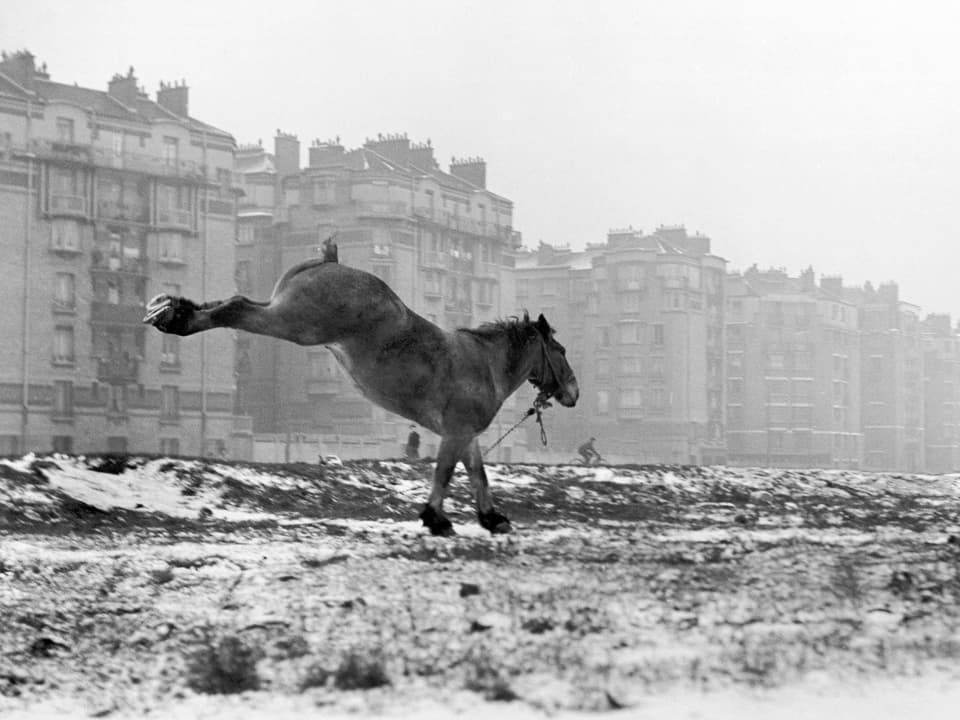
{"type": "Point", "coordinates": [539, 405]}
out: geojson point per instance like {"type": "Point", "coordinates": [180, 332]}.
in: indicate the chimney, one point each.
{"type": "Point", "coordinates": [421, 155]}
{"type": "Point", "coordinates": [395, 148]}
{"type": "Point", "coordinates": [833, 284]}
{"type": "Point", "coordinates": [124, 88]}
{"type": "Point", "coordinates": [326, 153]}
{"type": "Point", "coordinates": [473, 170]}
{"type": "Point", "coordinates": [20, 68]}
{"type": "Point", "coordinates": [174, 97]}
{"type": "Point", "coordinates": [286, 153]}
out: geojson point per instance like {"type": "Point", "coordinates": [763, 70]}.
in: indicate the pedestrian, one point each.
{"type": "Point", "coordinates": [413, 444]}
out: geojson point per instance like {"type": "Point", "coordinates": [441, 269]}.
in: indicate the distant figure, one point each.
{"type": "Point", "coordinates": [589, 453]}
{"type": "Point", "coordinates": [413, 444]}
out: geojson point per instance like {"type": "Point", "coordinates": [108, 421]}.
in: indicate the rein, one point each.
{"type": "Point", "coordinates": [540, 403]}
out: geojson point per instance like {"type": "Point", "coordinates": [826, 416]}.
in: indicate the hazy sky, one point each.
{"type": "Point", "coordinates": [800, 133]}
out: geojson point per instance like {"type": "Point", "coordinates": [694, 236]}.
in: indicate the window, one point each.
{"type": "Point", "coordinates": [603, 367]}
{"type": "Point", "coordinates": [170, 350]}
{"type": "Point", "coordinates": [603, 402]}
{"type": "Point", "coordinates": [631, 398]}
{"type": "Point", "coordinates": [116, 444]}
{"type": "Point", "coordinates": [735, 389]}
{"type": "Point", "coordinates": [630, 277]}
{"type": "Point", "coordinates": [117, 399]}
{"type": "Point", "coordinates": [63, 350]}
{"type": "Point", "coordinates": [658, 399]}
{"type": "Point", "coordinates": [431, 282]}
{"type": "Point", "coordinates": [169, 446]}
{"type": "Point", "coordinates": [63, 398]}
{"type": "Point", "coordinates": [603, 337]}
{"type": "Point", "coordinates": [658, 333]}
{"type": "Point", "coordinates": [169, 402]}
{"type": "Point", "coordinates": [65, 130]}
{"type": "Point", "coordinates": [631, 365]}
{"type": "Point", "coordinates": [65, 235]}
{"type": "Point", "coordinates": [631, 333]}
{"type": "Point", "coordinates": [735, 363]}
{"type": "Point", "coordinates": [630, 302]}
{"type": "Point", "coordinates": [171, 151]}
{"type": "Point", "coordinates": [171, 247]}
{"type": "Point", "coordinates": [65, 291]}
{"type": "Point", "coordinates": [62, 444]}
{"type": "Point", "coordinates": [802, 416]}
{"type": "Point", "coordinates": [246, 234]}
{"type": "Point", "coordinates": [241, 275]}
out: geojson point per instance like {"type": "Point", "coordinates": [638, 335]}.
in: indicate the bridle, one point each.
{"type": "Point", "coordinates": [541, 382]}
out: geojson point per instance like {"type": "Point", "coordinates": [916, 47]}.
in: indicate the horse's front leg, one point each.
{"type": "Point", "coordinates": [180, 316]}
{"type": "Point", "coordinates": [451, 448]}
{"type": "Point", "coordinates": [486, 513]}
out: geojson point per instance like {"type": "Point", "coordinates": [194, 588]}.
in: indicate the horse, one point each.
{"type": "Point", "coordinates": [450, 382]}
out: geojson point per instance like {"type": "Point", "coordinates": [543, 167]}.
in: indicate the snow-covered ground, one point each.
{"type": "Point", "coordinates": [654, 592]}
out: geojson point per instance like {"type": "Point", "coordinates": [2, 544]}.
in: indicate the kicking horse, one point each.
{"type": "Point", "coordinates": [452, 383]}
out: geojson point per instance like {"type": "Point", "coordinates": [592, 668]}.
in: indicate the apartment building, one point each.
{"type": "Point", "coordinates": [107, 198]}
{"type": "Point", "coordinates": [793, 371]}
{"type": "Point", "coordinates": [941, 369]}
{"type": "Point", "coordinates": [441, 239]}
{"type": "Point", "coordinates": [642, 318]}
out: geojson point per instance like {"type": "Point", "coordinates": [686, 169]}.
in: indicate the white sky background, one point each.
{"type": "Point", "coordinates": [811, 132]}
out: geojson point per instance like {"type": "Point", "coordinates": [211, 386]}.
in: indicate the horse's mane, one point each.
{"type": "Point", "coordinates": [516, 329]}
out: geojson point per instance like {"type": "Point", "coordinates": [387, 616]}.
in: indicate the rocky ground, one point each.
{"type": "Point", "coordinates": [190, 588]}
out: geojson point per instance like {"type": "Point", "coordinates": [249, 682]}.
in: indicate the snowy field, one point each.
{"type": "Point", "coordinates": [188, 588]}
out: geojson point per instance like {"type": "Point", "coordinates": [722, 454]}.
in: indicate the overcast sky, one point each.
{"type": "Point", "coordinates": [794, 134]}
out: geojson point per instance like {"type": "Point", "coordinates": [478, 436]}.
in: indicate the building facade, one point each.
{"type": "Point", "coordinates": [641, 317]}
{"type": "Point", "coordinates": [441, 239]}
{"type": "Point", "coordinates": [793, 371]}
{"type": "Point", "coordinates": [941, 367]}
{"type": "Point", "coordinates": [106, 199]}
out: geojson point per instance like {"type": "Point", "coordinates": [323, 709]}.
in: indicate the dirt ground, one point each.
{"type": "Point", "coordinates": [186, 588]}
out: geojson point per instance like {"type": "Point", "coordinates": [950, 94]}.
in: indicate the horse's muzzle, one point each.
{"type": "Point", "coordinates": [568, 394]}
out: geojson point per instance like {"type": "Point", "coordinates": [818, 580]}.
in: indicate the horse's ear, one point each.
{"type": "Point", "coordinates": [543, 326]}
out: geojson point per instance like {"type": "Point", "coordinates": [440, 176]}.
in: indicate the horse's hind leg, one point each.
{"type": "Point", "coordinates": [180, 316]}
{"type": "Point", "coordinates": [448, 456]}
{"type": "Point", "coordinates": [486, 513]}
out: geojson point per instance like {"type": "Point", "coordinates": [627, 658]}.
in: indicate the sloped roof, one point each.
{"type": "Point", "coordinates": [102, 103]}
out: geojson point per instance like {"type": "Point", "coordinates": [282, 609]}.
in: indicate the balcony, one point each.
{"type": "Point", "coordinates": [180, 219]}
{"type": "Point", "coordinates": [117, 369]}
{"type": "Point", "coordinates": [69, 205]}
{"type": "Point", "coordinates": [116, 264]}
{"type": "Point", "coordinates": [149, 164]}
{"type": "Point", "coordinates": [330, 386]}
{"type": "Point", "coordinates": [109, 313]}
{"type": "Point", "coordinates": [110, 210]}
{"type": "Point", "coordinates": [458, 306]}
{"type": "Point", "coordinates": [433, 260]}
{"type": "Point", "coordinates": [382, 209]}
{"type": "Point", "coordinates": [87, 154]}
{"type": "Point", "coordinates": [62, 151]}
{"type": "Point", "coordinates": [488, 270]}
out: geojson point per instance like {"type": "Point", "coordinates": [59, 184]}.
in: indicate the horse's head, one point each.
{"type": "Point", "coordinates": [551, 373]}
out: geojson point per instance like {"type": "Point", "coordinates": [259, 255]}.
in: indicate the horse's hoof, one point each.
{"type": "Point", "coordinates": [160, 310]}
{"type": "Point", "coordinates": [437, 523]}
{"type": "Point", "coordinates": [496, 523]}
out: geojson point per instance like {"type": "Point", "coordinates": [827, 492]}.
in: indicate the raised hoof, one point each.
{"type": "Point", "coordinates": [496, 523]}
{"type": "Point", "coordinates": [436, 523]}
{"type": "Point", "coordinates": [168, 314]}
